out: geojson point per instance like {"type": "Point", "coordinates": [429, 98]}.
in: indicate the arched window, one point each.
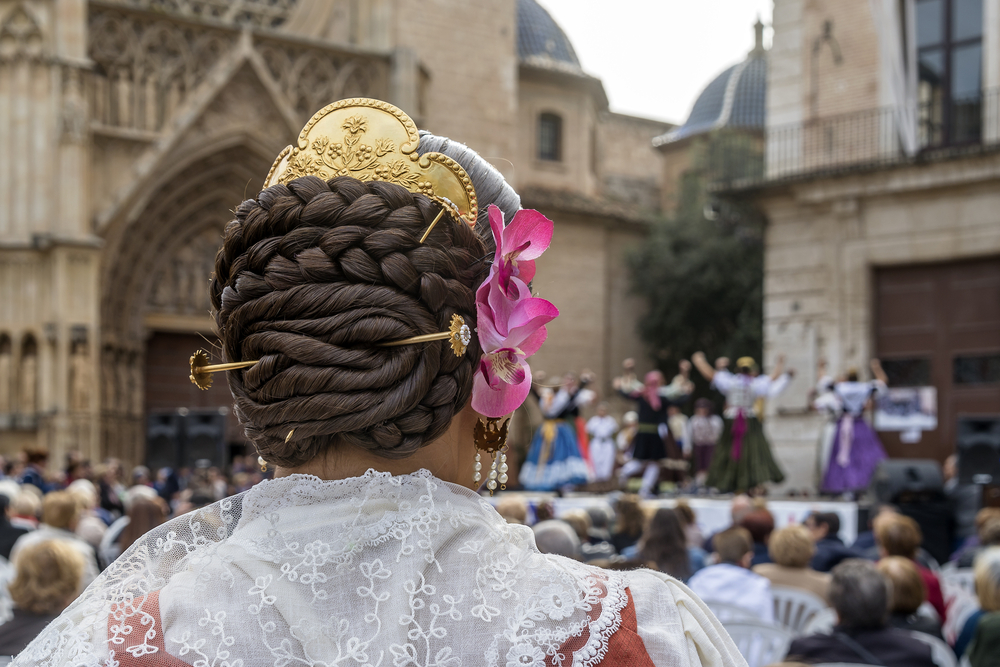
{"type": "Point", "coordinates": [550, 137]}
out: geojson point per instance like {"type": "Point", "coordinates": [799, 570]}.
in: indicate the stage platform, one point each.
{"type": "Point", "coordinates": [712, 513]}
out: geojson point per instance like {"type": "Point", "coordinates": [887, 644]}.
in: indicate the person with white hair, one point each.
{"type": "Point", "coordinates": [90, 528]}
{"type": "Point", "coordinates": [557, 537]}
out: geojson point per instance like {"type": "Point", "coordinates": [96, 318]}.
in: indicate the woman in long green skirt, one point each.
{"type": "Point", "coordinates": [742, 461]}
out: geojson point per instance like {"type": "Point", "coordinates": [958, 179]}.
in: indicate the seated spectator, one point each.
{"type": "Point", "coordinates": [830, 549]}
{"type": "Point", "coordinates": [865, 541]}
{"type": "Point", "coordinates": [972, 542]}
{"type": "Point", "coordinates": [513, 509]}
{"type": "Point", "coordinates": [987, 576]}
{"type": "Point", "coordinates": [664, 543]}
{"type": "Point", "coordinates": [145, 512]}
{"type": "Point", "coordinates": [601, 517]}
{"type": "Point", "coordinates": [731, 581]}
{"type": "Point", "coordinates": [8, 533]}
{"type": "Point", "coordinates": [579, 521]}
{"type": "Point", "coordinates": [988, 535]}
{"type": "Point", "coordinates": [964, 499]}
{"type": "Point", "coordinates": [47, 579]}
{"type": "Point", "coordinates": [60, 514]}
{"type": "Point", "coordinates": [629, 522]}
{"type": "Point", "coordinates": [898, 535]}
{"type": "Point", "coordinates": [860, 596]}
{"type": "Point", "coordinates": [791, 549]}
{"type": "Point", "coordinates": [760, 524]}
{"type": "Point", "coordinates": [90, 528]}
{"type": "Point", "coordinates": [908, 592]}
{"type": "Point", "coordinates": [691, 530]}
{"type": "Point", "coordinates": [740, 506]}
{"type": "Point", "coordinates": [25, 508]}
{"type": "Point", "coordinates": [557, 537]}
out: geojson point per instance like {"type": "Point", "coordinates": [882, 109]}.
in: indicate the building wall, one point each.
{"type": "Point", "coordinates": [825, 237]}
{"type": "Point", "coordinates": [627, 165]}
{"type": "Point", "coordinates": [115, 190]}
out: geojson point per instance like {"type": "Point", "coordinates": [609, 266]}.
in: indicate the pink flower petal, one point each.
{"type": "Point", "coordinates": [526, 270]}
{"type": "Point", "coordinates": [528, 234]}
{"type": "Point", "coordinates": [496, 403]}
{"type": "Point", "coordinates": [533, 342]}
{"type": "Point", "coordinates": [528, 315]}
{"type": "Point", "coordinates": [496, 226]}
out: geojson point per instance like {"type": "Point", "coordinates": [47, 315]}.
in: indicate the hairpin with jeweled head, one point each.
{"type": "Point", "coordinates": [459, 333]}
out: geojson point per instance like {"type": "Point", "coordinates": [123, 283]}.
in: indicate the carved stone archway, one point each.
{"type": "Point", "coordinates": [156, 271]}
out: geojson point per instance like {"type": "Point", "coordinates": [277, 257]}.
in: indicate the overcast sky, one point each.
{"type": "Point", "coordinates": [655, 56]}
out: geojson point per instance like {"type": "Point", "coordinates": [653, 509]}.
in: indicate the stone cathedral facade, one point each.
{"type": "Point", "coordinates": [129, 130]}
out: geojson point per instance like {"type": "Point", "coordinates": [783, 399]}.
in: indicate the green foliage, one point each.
{"type": "Point", "coordinates": [701, 272]}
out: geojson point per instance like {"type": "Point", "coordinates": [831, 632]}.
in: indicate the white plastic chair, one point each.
{"type": "Point", "coordinates": [962, 578]}
{"type": "Point", "coordinates": [820, 624]}
{"type": "Point", "coordinates": [794, 607]}
{"type": "Point", "coordinates": [726, 612]}
{"type": "Point", "coordinates": [941, 653]}
{"type": "Point", "coordinates": [759, 643]}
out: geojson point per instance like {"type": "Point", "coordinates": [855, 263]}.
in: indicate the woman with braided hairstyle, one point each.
{"type": "Point", "coordinates": [346, 306]}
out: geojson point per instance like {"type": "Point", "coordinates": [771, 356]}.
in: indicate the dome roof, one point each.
{"type": "Point", "coordinates": [735, 98]}
{"type": "Point", "coordinates": [540, 40]}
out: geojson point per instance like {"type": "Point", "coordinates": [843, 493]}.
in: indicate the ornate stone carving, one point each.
{"type": "Point", "coordinates": [27, 403]}
{"type": "Point", "coordinates": [21, 35]}
{"type": "Point", "coordinates": [80, 376]}
{"type": "Point", "coordinates": [180, 286]}
{"type": "Point", "coordinates": [256, 13]}
{"type": "Point", "coordinates": [6, 375]}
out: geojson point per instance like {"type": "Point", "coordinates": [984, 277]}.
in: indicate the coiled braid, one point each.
{"type": "Point", "coordinates": [311, 276]}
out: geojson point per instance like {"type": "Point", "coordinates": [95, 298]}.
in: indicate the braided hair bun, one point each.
{"type": "Point", "coordinates": [311, 277]}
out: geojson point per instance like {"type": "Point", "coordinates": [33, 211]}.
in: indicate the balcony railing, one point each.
{"type": "Point", "coordinates": [855, 141]}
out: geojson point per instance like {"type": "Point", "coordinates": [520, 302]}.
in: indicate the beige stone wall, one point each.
{"type": "Point", "coordinates": [628, 166]}
{"type": "Point", "coordinates": [576, 171]}
{"type": "Point", "coordinates": [584, 273]}
{"type": "Point", "coordinates": [823, 240]}
{"type": "Point", "coordinates": [676, 160]}
{"type": "Point", "coordinates": [470, 52]}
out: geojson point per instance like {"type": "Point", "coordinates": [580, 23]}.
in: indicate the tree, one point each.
{"type": "Point", "coordinates": [701, 272]}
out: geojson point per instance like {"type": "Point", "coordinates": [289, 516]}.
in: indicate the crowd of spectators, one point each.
{"type": "Point", "coordinates": [58, 531]}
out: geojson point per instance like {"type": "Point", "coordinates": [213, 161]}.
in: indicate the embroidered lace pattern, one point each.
{"type": "Point", "coordinates": [375, 570]}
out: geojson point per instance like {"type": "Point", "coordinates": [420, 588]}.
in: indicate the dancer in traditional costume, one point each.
{"type": "Point", "coordinates": [554, 459]}
{"type": "Point", "coordinates": [703, 432]}
{"type": "Point", "coordinates": [653, 448]}
{"type": "Point", "coordinates": [374, 332]}
{"type": "Point", "coordinates": [742, 461]}
{"type": "Point", "coordinates": [856, 450]}
{"type": "Point", "coordinates": [602, 428]}
{"type": "Point", "coordinates": [826, 403]}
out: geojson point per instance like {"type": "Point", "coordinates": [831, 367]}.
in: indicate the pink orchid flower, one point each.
{"type": "Point", "coordinates": [519, 244]}
{"type": "Point", "coordinates": [510, 322]}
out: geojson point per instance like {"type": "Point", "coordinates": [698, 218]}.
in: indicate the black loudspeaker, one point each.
{"type": "Point", "coordinates": [205, 437]}
{"type": "Point", "coordinates": [907, 480]}
{"type": "Point", "coordinates": [181, 437]}
{"type": "Point", "coordinates": [978, 444]}
{"type": "Point", "coordinates": [164, 433]}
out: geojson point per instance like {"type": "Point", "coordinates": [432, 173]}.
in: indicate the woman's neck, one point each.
{"type": "Point", "coordinates": [450, 457]}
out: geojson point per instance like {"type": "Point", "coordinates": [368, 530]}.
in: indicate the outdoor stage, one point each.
{"type": "Point", "coordinates": [712, 513]}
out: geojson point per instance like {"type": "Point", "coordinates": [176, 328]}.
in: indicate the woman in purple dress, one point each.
{"type": "Point", "coordinates": [856, 449]}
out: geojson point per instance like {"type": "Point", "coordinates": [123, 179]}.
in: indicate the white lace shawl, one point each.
{"type": "Point", "coordinates": [374, 570]}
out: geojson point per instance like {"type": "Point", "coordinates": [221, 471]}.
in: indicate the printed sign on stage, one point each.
{"type": "Point", "coordinates": [907, 409]}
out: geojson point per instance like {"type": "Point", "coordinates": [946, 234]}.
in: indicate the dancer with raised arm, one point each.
{"type": "Point", "coordinates": [742, 461]}
{"type": "Point", "coordinates": [856, 449]}
{"type": "Point", "coordinates": [653, 447]}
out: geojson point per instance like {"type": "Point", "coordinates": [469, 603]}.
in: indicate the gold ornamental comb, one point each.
{"type": "Point", "coordinates": [374, 141]}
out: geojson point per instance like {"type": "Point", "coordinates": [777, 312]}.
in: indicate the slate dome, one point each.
{"type": "Point", "coordinates": [735, 98]}
{"type": "Point", "coordinates": [540, 40]}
